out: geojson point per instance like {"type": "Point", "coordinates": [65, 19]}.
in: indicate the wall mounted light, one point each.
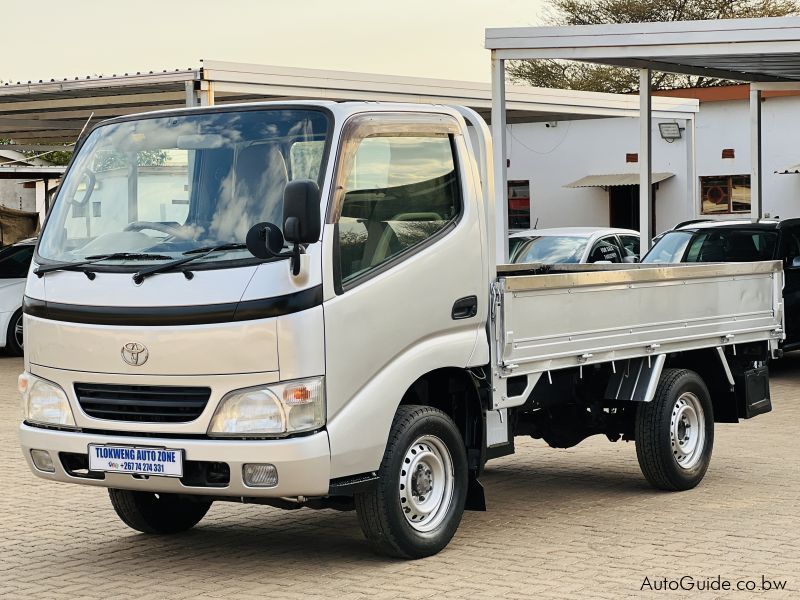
{"type": "Point", "coordinates": [670, 131]}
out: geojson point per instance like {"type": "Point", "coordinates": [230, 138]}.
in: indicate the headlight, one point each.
{"type": "Point", "coordinates": [269, 410]}
{"type": "Point", "coordinates": [44, 402]}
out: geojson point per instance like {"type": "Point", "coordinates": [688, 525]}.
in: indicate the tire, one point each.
{"type": "Point", "coordinates": [14, 341]}
{"type": "Point", "coordinates": [418, 502]}
{"type": "Point", "coordinates": [157, 513]}
{"type": "Point", "coordinates": [675, 432]}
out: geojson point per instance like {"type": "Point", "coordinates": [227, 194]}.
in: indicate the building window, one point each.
{"type": "Point", "coordinates": [519, 204]}
{"type": "Point", "coordinates": [78, 210]}
{"type": "Point", "coordinates": [725, 194]}
{"type": "Point", "coordinates": [96, 211]}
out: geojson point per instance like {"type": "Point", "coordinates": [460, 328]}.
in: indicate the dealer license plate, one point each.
{"type": "Point", "coordinates": [136, 461]}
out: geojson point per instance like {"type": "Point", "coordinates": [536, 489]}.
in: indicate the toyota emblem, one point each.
{"type": "Point", "coordinates": [135, 354]}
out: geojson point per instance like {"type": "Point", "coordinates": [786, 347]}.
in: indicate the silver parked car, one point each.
{"type": "Point", "coordinates": [574, 245]}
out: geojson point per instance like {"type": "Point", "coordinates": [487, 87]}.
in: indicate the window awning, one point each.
{"type": "Point", "coordinates": [612, 180]}
{"type": "Point", "coordinates": [793, 170]}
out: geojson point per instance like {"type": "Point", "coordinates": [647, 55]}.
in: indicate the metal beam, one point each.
{"type": "Point", "coordinates": [499, 143]}
{"type": "Point", "coordinates": [784, 86]}
{"type": "Point", "coordinates": [686, 69]}
{"type": "Point", "coordinates": [26, 124]}
{"type": "Point", "coordinates": [92, 102]}
{"type": "Point", "coordinates": [36, 147]}
{"type": "Point", "coordinates": [645, 160]}
{"type": "Point", "coordinates": [756, 183]}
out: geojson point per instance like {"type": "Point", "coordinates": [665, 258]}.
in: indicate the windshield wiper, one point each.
{"type": "Point", "coordinates": [194, 254]}
{"type": "Point", "coordinates": [90, 260]}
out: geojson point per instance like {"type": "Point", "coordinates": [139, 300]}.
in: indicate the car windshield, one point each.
{"type": "Point", "coordinates": [156, 188]}
{"type": "Point", "coordinates": [713, 245]}
{"type": "Point", "coordinates": [549, 249]}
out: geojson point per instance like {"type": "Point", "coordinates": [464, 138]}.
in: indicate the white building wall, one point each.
{"type": "Point", "coordinates": [727, 125]}
{"type": "Point", "coordinates": [552, 157]}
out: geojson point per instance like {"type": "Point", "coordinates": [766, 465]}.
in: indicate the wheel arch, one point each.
{"type": "Point", "coordinates": [708, 365]}
{"type": "Point", "coordinates": [455, 392]}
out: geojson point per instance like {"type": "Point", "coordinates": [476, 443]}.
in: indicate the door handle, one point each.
{"type": "Point", "coordinates": [465, 308]}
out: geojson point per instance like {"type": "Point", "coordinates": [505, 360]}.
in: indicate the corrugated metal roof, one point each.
{"type": "Point", "coordinates": [615, 179]}
{"type": "Point", "coordinates": [755, 50]}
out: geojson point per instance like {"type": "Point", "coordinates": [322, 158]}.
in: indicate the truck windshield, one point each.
{"type": "Point", "coordinates": [168, 185]}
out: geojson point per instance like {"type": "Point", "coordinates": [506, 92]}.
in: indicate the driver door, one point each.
{"type": "Point", "coordinates": [409, 278]}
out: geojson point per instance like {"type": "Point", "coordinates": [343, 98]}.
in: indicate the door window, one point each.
{"type": "Point", "coordinates": [399, 192]}
{"type": "Point", "coordinates": [790, 245]}
{"type": "Point", "coordinates": [605, 250]}
{"type": "Point", "coordinates": [630, 247]}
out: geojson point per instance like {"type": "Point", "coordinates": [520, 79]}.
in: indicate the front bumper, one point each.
{"type": "Point", "coordinates": [303, 463]}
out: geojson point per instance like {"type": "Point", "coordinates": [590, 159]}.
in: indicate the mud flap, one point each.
{"type": "Point", "coordinates": [476, 499]}
{"type": "Point", "coordinates": [752, 390]}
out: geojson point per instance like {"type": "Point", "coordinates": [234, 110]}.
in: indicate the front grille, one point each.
{"type": "Point", "coordinates": [142, 403]}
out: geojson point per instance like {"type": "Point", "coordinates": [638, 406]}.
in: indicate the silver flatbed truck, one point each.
{"type": "Point", "coordinates": [300, 304]}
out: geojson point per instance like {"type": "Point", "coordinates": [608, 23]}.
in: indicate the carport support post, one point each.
{"type": "Point", "coordinates": [499, 145]}
{"type": "Point", "coordinates": [756, 208]}
{"type": "Point", "coordinates": [645, 160]}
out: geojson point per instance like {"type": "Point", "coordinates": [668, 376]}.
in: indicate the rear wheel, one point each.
{"type": "Point", "coordinates": [14, 337]}
{"type": "Point", "coordinates": [675, 431]}
{"type": "Point", "coordinates": [158, 513]}
{"type": "Point", "coordinates": [417, 505]}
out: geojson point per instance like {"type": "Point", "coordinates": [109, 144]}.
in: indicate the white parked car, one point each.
{"type": "Point", "coordinates": [15, 260]}
{"type": "Point", "coordinates": [574, 245]}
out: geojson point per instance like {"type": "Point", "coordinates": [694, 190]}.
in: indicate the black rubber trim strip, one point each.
{"type": "Point", "coordinates": [143, 316]}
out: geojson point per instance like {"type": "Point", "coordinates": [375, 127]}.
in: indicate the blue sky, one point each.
{"type": "Point", "coordinates": [430, 38]}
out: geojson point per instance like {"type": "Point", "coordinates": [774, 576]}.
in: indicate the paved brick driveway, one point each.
{"type": "Point", "coordinates": [561, 524]}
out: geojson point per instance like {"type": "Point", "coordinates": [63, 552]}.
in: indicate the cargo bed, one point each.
{"type": "Point", "coordinates": [559, 316]}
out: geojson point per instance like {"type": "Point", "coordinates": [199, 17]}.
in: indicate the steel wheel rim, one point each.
{"type": "Point", "coordinates": [18, 337]}
{"type": "Point", "coordinates": [426, 483]}
{"type": "Point", "coordinates": [687, 430]}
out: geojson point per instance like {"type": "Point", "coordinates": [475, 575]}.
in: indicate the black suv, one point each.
{"type": "Point", "coordinates": [740, 241]}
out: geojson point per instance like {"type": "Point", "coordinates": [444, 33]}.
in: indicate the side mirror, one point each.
{"type": "Point", "coordinates": [264, 240]}
{"type": "Point", "coordinates": [301, 222]}
{"type": "Point", "coordinates": [633, 258]}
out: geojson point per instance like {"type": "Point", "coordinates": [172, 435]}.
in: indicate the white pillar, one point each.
{"type": "Point", "coordinates": [645, 160]}
{"type": "Point", "coordinates": [692, 199]}
{"type": "Point", "coordinates": [756, 207]}
{"type": "Point", "coordinates": [499, 144]}
{"type": "Point", "coordinates": [191, 97]}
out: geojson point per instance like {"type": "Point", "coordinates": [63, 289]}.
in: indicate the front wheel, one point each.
{"type": "Point", "coordinates": [418, 502]}
{"type": "Point", "coordinates": [158, 513]}
{"type": "Point", "coordinates": [675, 431]}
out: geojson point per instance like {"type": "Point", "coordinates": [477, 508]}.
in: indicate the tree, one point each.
{"type": "Point", "coordinates": [54, 157]}
{"type": "Point", "coordinates": [604, 78]}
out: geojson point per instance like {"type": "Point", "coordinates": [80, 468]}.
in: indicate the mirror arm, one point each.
{"type": "Point", "coordinates": [296, 252]}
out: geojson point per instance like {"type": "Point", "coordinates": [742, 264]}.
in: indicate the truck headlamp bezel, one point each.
{"type": "Point", "coordinates": [45, 403]}
{"type": "Point", "coordinates": [271, 410]}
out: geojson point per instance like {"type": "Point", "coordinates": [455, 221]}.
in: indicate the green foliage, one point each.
{"type": "Point", "coordinates": [110, 160]}
{"type": "Point", "coordinates": [604, 78]}
{"type": "Point", "coordinates": [57, 157]}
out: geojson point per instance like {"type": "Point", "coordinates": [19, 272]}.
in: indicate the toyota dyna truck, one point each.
{"type": "Point", "coordinates": [300, 304]}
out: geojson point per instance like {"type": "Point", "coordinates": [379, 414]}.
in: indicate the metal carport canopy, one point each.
{"type": "Point", "coordinates": [764, 52]}
{"type": "Point", "coordinates": [41, 115]}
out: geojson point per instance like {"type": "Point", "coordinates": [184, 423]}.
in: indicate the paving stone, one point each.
{"type": "Point", "coordinates": [577, 523]}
